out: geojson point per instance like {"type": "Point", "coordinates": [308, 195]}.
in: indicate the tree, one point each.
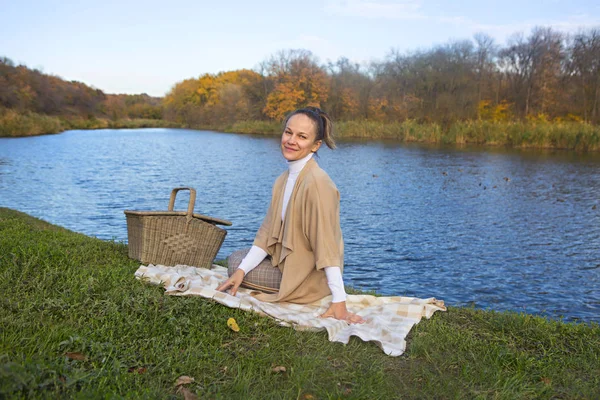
{"type": "Point", "coordinates": [584, 64]}
{"type": "Point", "coordinates": [533, 66]}
{"type": "Point", "coordinates": [298, 81]}
{"type": "Point", "coordinates": [485, 51]}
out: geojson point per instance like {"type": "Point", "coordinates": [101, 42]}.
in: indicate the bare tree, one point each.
{"type": "Point", "coordinates": [585, 66]}
{"type": "Point", "coordinates": [485, 53]}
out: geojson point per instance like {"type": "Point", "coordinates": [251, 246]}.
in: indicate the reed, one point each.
{"type": "Point", "coordinates": [254, 127]}
{"type": "Point", "coordinates": [577, 136]}
{"type": "Point", "coordinates": [141, 123]}
{"type": "Point", "coordinates": [545, 135]}
{"type": "Point", "coordinates": [531, 134]}
{"type": "Point", "coordinates": [406, 131]}
{"type": "Point", "coordinates": [15, 124]}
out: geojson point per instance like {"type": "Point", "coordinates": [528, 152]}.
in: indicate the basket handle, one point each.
{"type": "Point", "coordinates": [190, 210]}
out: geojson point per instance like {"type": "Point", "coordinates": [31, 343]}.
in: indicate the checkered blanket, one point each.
{"type": "Point", "coordinates": [389, 319]}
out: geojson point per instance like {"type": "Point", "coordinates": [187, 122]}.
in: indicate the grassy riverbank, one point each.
{"type": "Point", "coordinates": [13, 124]}
{"type": "Point", "coordinates": [75, 323]}
{"type": "Point", "coordinates": [542, 134]}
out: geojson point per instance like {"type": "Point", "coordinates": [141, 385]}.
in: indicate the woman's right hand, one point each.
{"type": "Point", "coordinates": [233, 282]}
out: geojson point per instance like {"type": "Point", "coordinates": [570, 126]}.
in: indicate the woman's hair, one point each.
{"type": "Point", "coordinates": [322, 122]}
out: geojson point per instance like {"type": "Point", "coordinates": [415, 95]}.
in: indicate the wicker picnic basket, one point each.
{"type": "Point", "coordinates": [174, 237]}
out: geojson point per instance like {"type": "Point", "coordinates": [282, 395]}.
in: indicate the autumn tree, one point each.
{"type": "Point", "coordinates": [542, 75]}
{"type": "Point", "coordinates": [532, 66]}
{"type": "Point", "coordinates": [584, 66]}
{"type": "Point", "coordinates": [298, 80]}
{"type": "Point", "coordinates": [215, 98]}
{"type": "Point", "coordinates": [349, 89]}
{"type": "Point", "coordinates": [484, 67]}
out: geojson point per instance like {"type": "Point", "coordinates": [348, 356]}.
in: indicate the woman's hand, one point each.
{"type": "Point", "coordinates": [339, 311]}
{"type": "Point", "coordinates": [234, 282]}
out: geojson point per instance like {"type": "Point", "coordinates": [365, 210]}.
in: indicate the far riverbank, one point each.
{"type": "Point", "coordinates": [541, 135]}
{"type": "Point", "coordinates": [13, 124]}
{"type": "Point", "coordinates": [576, 136]}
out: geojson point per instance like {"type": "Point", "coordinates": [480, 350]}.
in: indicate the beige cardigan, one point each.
{"type": "Point", "coordinates": [308, 240]}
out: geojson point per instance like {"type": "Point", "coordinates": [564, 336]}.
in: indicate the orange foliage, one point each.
{"type": "Point", "coordinates": [212, 98]}
{"type": "Point", "coordinates": [498, 113]}
{"type": "Point", "coordinates": [348, 102]}
{"type": "Point", "coordinates": [285, 98]}
{"type": "Point", "coordinates": [299, 82]}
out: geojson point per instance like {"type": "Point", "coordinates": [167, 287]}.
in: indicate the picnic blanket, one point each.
{"type": "Point", "coordinates": [388, 319]}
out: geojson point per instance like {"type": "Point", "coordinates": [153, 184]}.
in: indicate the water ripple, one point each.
{"type": "Point", "coordinates": [508, 230]}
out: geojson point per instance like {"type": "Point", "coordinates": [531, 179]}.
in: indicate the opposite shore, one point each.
{"type": "Point", "coordinates": [576, 136]}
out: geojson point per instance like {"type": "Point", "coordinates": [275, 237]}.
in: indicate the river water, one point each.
{"type": "Point", "coordinates": [492, 228]}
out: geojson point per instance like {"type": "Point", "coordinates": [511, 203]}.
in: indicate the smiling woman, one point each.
{"type": "Point", "coordinates": [298, 141]}
{"type": "Point", "coordinates": [298, 252]}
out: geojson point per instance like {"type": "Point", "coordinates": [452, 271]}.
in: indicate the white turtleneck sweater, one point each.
{"type": "Point", "coordinates": [256, 254]}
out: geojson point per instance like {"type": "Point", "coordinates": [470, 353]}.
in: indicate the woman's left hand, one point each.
{"type": "Point", "coordinates": [233, 282]}
{"type": "Point", "coordinates": [339, 311]}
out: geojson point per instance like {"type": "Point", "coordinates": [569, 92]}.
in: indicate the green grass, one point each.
{"type": "Point", "coordinates": [540, 134]}
{"type": "Point", "coordinates": [74, 323]}
{"type": "Point", "coordinates": [533, 134]}
{"type": "Point", "coordinates": [14, 124]}
{"type": "Point", "coordinates": [257, 127]}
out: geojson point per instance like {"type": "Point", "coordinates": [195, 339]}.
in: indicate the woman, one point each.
{"type": "Point", "coordinates": [301, 232]}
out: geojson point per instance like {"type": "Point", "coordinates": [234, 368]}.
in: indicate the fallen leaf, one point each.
{"type": "Point", "coordinates": [308, 396]}
{"type": "Point", "coordinates": [187, 393]}
{"type": "Point", "coordinates": [184, 380]}
{"type": "Point", "coordinates": [76, 356]}
{"type": "Point", "coordinates": [233, 325]}
{"type": "Point", "coordinates": [546, 381]}
{"type": "Point", "coordinates": [279, 368]}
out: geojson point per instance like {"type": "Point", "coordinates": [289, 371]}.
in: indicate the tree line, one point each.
{"type": "Point", "coordinates": [544, 75]}
{"type": "Point", "coordinates": [29, 90]}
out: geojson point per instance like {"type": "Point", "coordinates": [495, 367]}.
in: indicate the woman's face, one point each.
{"type": "Point", "coordinates": [298, 139]}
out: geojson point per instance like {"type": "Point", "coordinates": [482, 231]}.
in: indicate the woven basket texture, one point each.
{"type": "Point", "coordinates": [172, 237]}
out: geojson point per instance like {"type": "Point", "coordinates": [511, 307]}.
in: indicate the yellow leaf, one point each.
{"type": "Point", "coordinates": [233, 325]}
{"type": "Point", "coordinates": [76, 356]}
{"type": "Point", "coordinates": [184, 380]}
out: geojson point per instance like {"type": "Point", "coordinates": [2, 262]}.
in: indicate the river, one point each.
{"type": "Point", "coordinates": [491, 228]}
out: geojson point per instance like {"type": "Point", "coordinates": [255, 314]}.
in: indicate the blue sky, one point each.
{"type": "Point", "coordinates": [148, 46]}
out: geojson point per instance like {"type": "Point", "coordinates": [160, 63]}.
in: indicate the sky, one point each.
{"type": "Point", "coordinates": [147, 46]}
